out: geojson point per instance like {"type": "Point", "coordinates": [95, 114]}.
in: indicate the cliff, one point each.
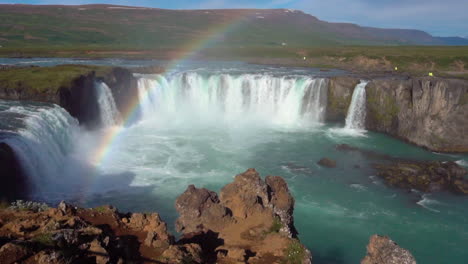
{"type": "Point", "coordinates": [70, 86]}
{"type": "Point", "coordinates": [428, 112]}
{"type": "Point", "coordinates": [14, 183]}
{"type": "Point", "coordinates": [254, 227]}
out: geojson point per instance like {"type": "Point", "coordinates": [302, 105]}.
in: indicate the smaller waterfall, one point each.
{"type": "Point", "coordinates": [357, 109]}
{"type": "Point", "coordinates": [109, 114]}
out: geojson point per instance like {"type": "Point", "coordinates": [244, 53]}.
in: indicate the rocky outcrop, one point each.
{"type": "Point", "coordinates": [78, 95]}
{"type": "Point", "coordinates": [428, 112]}
{"type": "Point", "coordinates": [340, 92]}
{"type": "Point", "coordinates": [249, 222]}
{"type": "Point", "coordinates": [326, 162]}
{"type": "Point", "coordinates": [124, 87]}
{"type": "Point", "coordinates": [13, 181]}
{"type": "Point", "coordinates": [382, 250]}
{"type": "Point", "coordinates": [425, 176]}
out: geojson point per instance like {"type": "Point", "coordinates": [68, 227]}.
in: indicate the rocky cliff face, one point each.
{"type": "Point", "coordinates": [79, 98]}
{"type": "Point", "coordinates": [13, 181]}
{"type": "Point", "coordinates": [383, 250]}
{"type": "Point", "coordinates": [428, 112]}
{"type": "Point", "coordinates": [250, 222]}
{"type": "Point", "coordinates": [340, 92]}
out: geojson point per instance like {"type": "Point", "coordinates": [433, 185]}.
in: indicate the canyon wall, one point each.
{"type": "Point", "coordinates": [79, 95]}
{"type": "Point", "coordinates": [428, 112]}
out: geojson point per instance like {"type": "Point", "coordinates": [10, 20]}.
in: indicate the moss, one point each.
{"type": "Point", "coordinates": [383, 107]}
{"type": "Point", "coordinates": [47, 79]}
{"type": "Point", "coordinates": [294, 253]}
{"type": "Point", "coordinates": [275, 226]}
{"type": "Point", "coordinates": [44, 239]}
{"type": "Point", "coordinates": [463, 99]}
{"type": "Point", "coordinates": [100, 209]}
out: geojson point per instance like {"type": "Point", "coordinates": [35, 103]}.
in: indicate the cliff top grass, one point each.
{"type": "Point", "coordinates": [43, 79]}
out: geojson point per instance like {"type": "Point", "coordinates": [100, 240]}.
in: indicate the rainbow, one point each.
{"type": "Point", "coordinates": [204, 41]}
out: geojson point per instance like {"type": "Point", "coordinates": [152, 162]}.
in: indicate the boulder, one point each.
{"type": "Point", "coordinates": [425, 176]}
{"type": "Point", "coordinates": [382, 250]}
{"type": "Point", "coordinates": [11, 253]}
{"type": "Point", "coordinates": [326, 162]}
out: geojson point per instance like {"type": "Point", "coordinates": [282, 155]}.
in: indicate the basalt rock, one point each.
{"type": "Point", "coordinates": [428, 112]}
{"type": "Point", "coordinates": [340, 92]}
{"type": "Point", "coordinates": [382, 250]}
{"type": "Point", "coordinates": [78, 96]}
{"type": "Point", "coordinates": [248, 213]}
{"type": "Point", "coordinates": [425, 176]}
{"type": "Point", "coordinates": [13, 180]}
{"type": "Point", "coordinates": [326, 162]}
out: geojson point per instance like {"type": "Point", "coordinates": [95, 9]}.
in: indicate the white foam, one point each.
{"type": "Point", "coordinates": [427, 203]}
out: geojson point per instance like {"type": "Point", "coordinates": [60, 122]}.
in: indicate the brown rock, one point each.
{"type": "Point", "coordinates": [11, 253]}
{"type": "Point", "coordinates": [199, 208]}
{"type": "Point", "coordinates": [382, 250]}
{"type": "Point", "coordinates": [96, 249]}
{"type": "Point", "coordinates": [190, 253]}
{"type": "Point", "coordinates": [246, 195]}
{"type": "Point", "coordinates": [326, 162]}
{"type": "Point", "coordinates": [153, 225]}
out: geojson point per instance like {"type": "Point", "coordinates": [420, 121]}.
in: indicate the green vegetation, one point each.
{"type": "Point", "coordinates": [382, 108]}
{"type": "Point", "coordinates": [49, 79]}
{"type": "Point", "coordinates": [276, 225]}
{"type": "Point", "coordinates": [294, 253]}
{"type": "Point", "coordinates": [44, 239]}
{"type": "Point", "coordinates": [100, 209]}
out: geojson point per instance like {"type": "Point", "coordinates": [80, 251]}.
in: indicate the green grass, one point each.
{"type": "Point", "coordinates": [100, 209]}
{"type": "Point", "coordinates": [44, 239]}
{"type": "Point", "coordinates": [294, 253]}
{"type": "Point", "coordinates": [275, 226]}
{"type": "Point", "coordinates": [49, 79]}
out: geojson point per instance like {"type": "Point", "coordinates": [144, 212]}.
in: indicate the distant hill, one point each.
{"type": "Point", "coordinates": [110, 26]}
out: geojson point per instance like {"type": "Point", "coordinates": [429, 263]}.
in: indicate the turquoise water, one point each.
{"type": "Point", "coordinates": [200, 140]}
{"type": "Point", "coordinates": [337, 210]}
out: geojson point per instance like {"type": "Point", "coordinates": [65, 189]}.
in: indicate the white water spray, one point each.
{"type": "Point", "coordinates": [356, 116]}
{"type": "Point", "coordinates": [233, 98]}
{"type": "Point", "coordinates": [108, 110]}
{"type": "Point", "coordinates": [43, 144]}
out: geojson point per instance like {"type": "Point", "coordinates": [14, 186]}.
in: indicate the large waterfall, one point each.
{"type": "Point", "coordinates": [43, 141]}
{"type": "Point", "coordinates": [108, 109]}
{"type": "Point", "coordinates": [357, 109]}
{"type": "Point", "coordinates": [259, 97]}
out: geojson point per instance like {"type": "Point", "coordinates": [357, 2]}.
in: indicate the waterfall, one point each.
{"type": "Point", "coordinates": [42, 142]}
{"type": "Point", "coordinates": [261, 97]}
{"type": "Point", "coordinates": [356, 116]}
{"type": "Point", "coordinates": [107, 108]}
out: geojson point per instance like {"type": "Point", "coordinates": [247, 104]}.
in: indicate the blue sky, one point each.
{"type": "Point", "coordinates": [440, 18]}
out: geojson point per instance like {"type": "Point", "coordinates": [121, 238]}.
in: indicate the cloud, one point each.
{"type": "Point", "coordinates": [435, 16]}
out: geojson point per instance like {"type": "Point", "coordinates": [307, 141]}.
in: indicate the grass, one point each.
{"type": "Point", "coordinates": [275, 226]}
{"type": "Point", "coordinates": [294, 253]}
{"type": "Point", "coordinates": [49, 79]}
{"type": "Point", "coordinates": [100, 209]}
{"type": "Point", "coordinates": [44, 239]}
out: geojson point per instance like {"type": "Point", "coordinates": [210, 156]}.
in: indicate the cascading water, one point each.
{"type": "Point", "coordinates": [108, 109]}
{"type": "Point", "coordinates": [263, 98]}
{"type": "Point", "coordinates": [356, 116]}
{"type": "Point", "coordinates": [43, 142]}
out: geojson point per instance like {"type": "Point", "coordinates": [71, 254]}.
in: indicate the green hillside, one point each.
{"type": "Point", "coordinates": [118, 27]}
